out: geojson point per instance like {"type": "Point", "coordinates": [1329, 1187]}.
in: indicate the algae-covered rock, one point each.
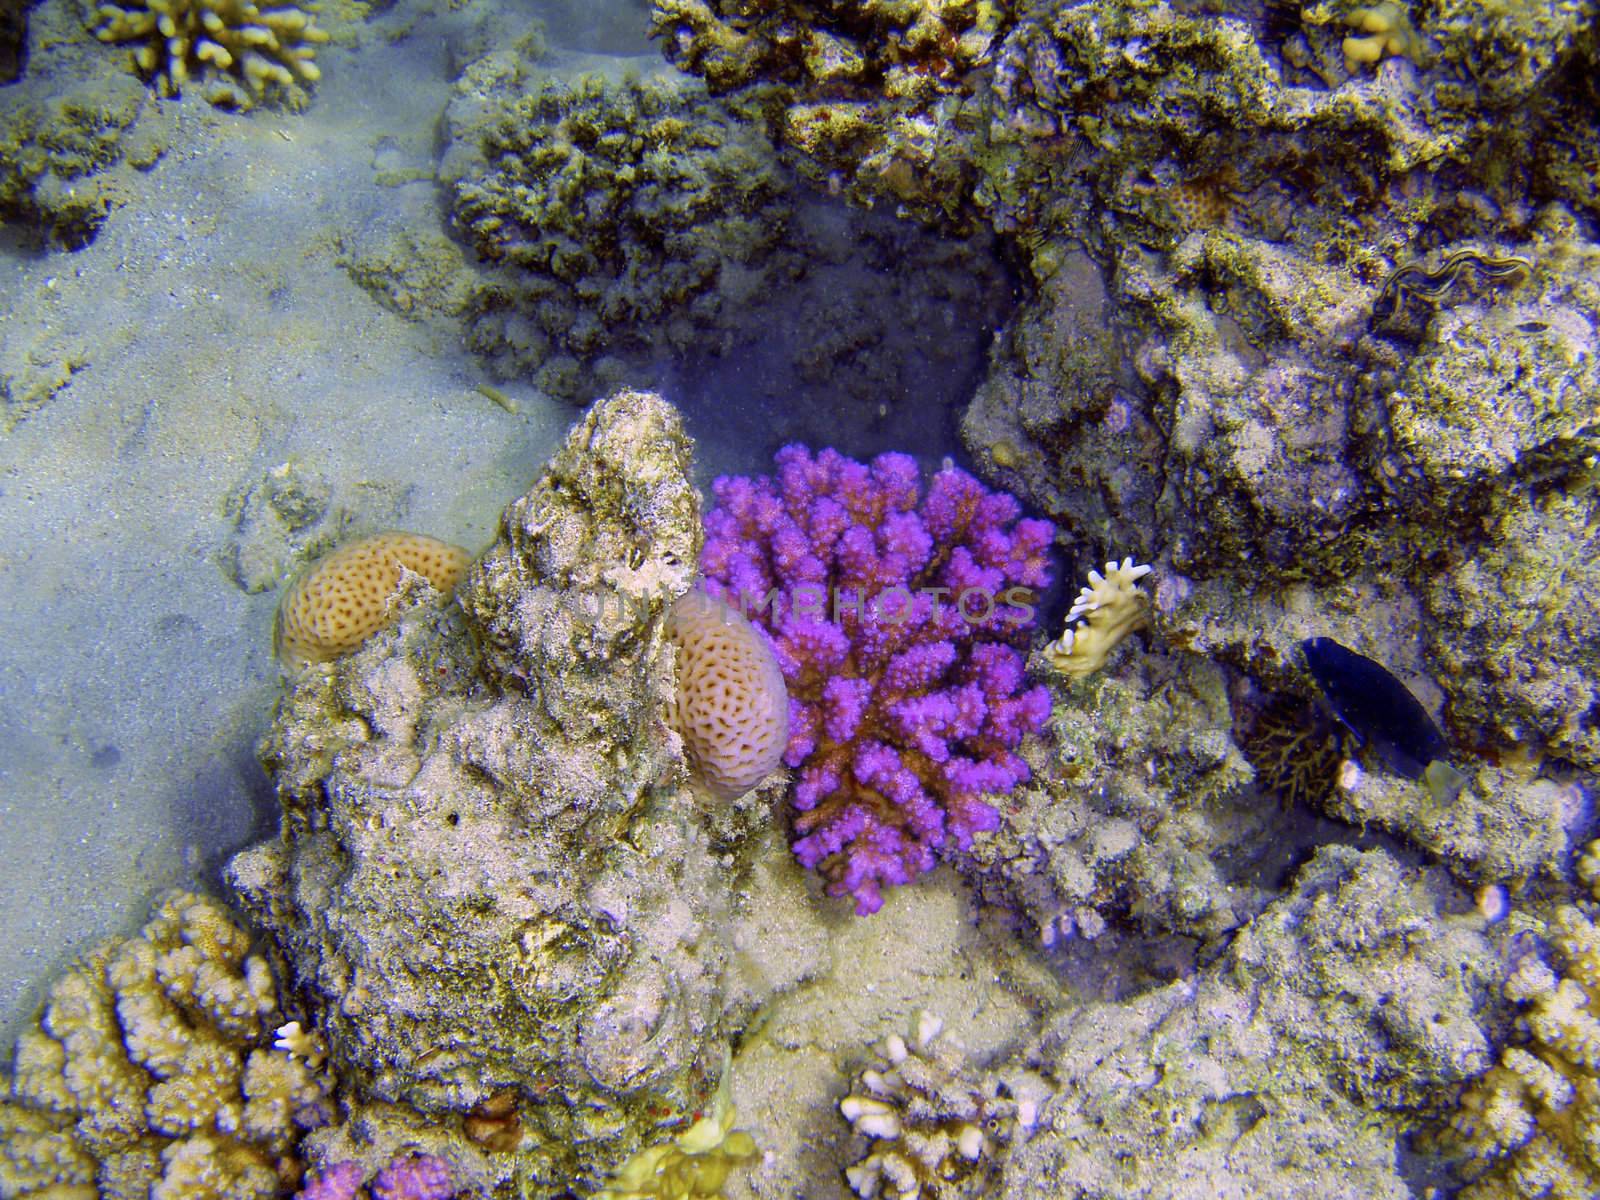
{"type": "Point", "coordinates": [1285, 1069]}
{"type": "Point", "coordinates": [488, 880]}
{"type": "Point", "coordinates": [621, 213]}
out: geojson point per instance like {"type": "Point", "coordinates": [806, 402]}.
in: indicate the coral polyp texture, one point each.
{"type": "Point", "coordinates": [900, 621]}
{"type": "Point", "coordinates": [345, 597]}
{"type": "Point", "coordinates": [733, 709]}
{"type": "Point", "coordinates": [616, 212]}
{"type": "Point", "coordinates": [237, 52]}
{"type": "Point", "coordinates": [1532, 1121]}
{"type": "Point", "coordinates": [152, 1072]}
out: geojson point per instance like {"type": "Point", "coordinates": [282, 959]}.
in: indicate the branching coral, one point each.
{"type": "Point", "coordinates": [1535, 1117]}
{"type": "Point", "coordinates": [617, 210]}
{"type": "Point", "coordinates": [239, 52]}
{"type": "Point", "coordinates": [898, 619]}
{"type": "Point", "coordinates": [936, 1129]}
{"type": "Point", "coordinates": [1111, 607]}
{"type": "Point", "coordinates": [151, 1074]}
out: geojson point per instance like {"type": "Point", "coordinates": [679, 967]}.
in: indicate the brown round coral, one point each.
{"type": "Point", "coordinates": [733, 708]}
{"type": "Point", "coordinates": [344, 597]}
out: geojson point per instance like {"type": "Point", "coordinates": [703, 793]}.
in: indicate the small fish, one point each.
{"type": "Point", "coordinates": [1382, 714]}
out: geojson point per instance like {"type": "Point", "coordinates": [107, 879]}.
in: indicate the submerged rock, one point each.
{"type": "Point", "coordinates": [488, 882]}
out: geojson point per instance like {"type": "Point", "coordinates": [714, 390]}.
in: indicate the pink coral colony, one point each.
{"type": "Point", "coordinates": [900, 622]}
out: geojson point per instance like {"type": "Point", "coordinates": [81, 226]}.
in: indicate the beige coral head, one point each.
{"type": "Point", "coordinates": [1107, 610]}
{"type": "Point", "coordinates": [344, 598]}
{"type": "Point", "coordinates": [732, 707]}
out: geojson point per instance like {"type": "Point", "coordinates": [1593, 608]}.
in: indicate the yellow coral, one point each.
{"type": "Point", "coordinates": [144, 1076]}
{"type": "Point", "coordinates": [226, 43]}
{"type": "Point", "coordinates": [1112, 607]}
{"type": "Point", "coordinates": [1385, 31]}
{"type": "Point", "coordinates": [1534, 1118]}
{"type": "Point", "coordinates": [695, 1164]}
{"type": "Point", "coordinates": [343, 598]}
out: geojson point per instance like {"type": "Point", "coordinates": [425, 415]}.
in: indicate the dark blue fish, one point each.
{"type": "Point", "coordinates": [1375, 707]}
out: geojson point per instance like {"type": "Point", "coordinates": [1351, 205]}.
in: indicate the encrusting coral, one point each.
{"type": "Point", "coordinates": [1112, 606]}
{"type": "Point", "coordinates": [935, 1134]}
{"type": "Point", "coordinates": [151, 1073]}
{"type": "Point", "coordinates": [240, 52]}
{"type": "Point", "coordinates": [897, 617]}
{"type": "Point", "coordinates": [344, 598]}
{"type": "Point", "coordinates": [1535, 1117]}
{"type": "Point", "coordinates": [733, 709]}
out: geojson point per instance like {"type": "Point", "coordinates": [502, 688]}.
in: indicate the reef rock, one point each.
{"type": "Point", "coordinates": [488, 881]}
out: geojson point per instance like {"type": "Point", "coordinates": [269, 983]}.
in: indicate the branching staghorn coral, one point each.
{"type": "Point", "coordinates": [1535, 1117]}
{"type": "Point", "coordinates": [151, 1072]}
{"type": "Point", "coordinates": [238, 52]}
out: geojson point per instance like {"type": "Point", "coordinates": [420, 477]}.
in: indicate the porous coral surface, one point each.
{"type": "Point", "coordinates": [486, 881]}
{"type": "Point", "coordinates": [152, 1073]}
{"type": "Point", "coordinates": [898, 618]}
{"type": "Point", "coordinates": [344, 597]}
{"type": "Point", "coordinates": [733, 708]}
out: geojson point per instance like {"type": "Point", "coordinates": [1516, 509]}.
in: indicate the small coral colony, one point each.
{"type": "Point", "coordinates": [547, 763]}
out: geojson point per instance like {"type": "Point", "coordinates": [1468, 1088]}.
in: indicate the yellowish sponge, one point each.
{"type": "Point", "coordinates": [343, 598]}
{"type": "Point", "coordinates": [733, 707]}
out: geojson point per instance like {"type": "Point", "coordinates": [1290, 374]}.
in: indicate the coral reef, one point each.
{"type": "Point", "coordinates": [1111, 607]}
{"type": "Point", "coordinates": [345, 597]}
{"type": "Point", "coordinates": [151, 1072]}
{"type": "Point", "coordinates": [733, 709]}
{"type": "Point", "coordinates": [1140, 815]}
{"type": "Point", "coordinates": [934, 1130]}
{"type": "Point", "coordinates": [1531, 1122]}
{"type": "Point", "coordinates": [236, 52]}
{"type": "Point", "coordinates": [897, 617]}
{"type": "Point", "coordinates": [621, 213]}
{"type": "Point", "coordinates": [488, 878]}
{"type": "Point", "coordinates": [1294, 1065]}
{"type": "Point", "coordinates": [875, 97]}
{"type": "Point", "coordinates": [692, 1166]}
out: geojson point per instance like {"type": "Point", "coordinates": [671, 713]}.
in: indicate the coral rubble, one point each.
{"type": "Point", "coordinates": [897, 616]}
{"type": "Point", "coordinates": [152, 1072]}
{"type": "Point", "coordinates": [488, 885]}
{"type": "Point", "coordinates": [237, 52]}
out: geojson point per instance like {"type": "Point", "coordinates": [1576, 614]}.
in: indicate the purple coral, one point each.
{"type": "Point", "coordinates": [414, 1177]}
{"type": "Point", "coordinates": [419, 1177]}
{"type": "Point", "coordinates": [899, 621]}
{"type": "Point", "coordinates": [339, 1182]}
